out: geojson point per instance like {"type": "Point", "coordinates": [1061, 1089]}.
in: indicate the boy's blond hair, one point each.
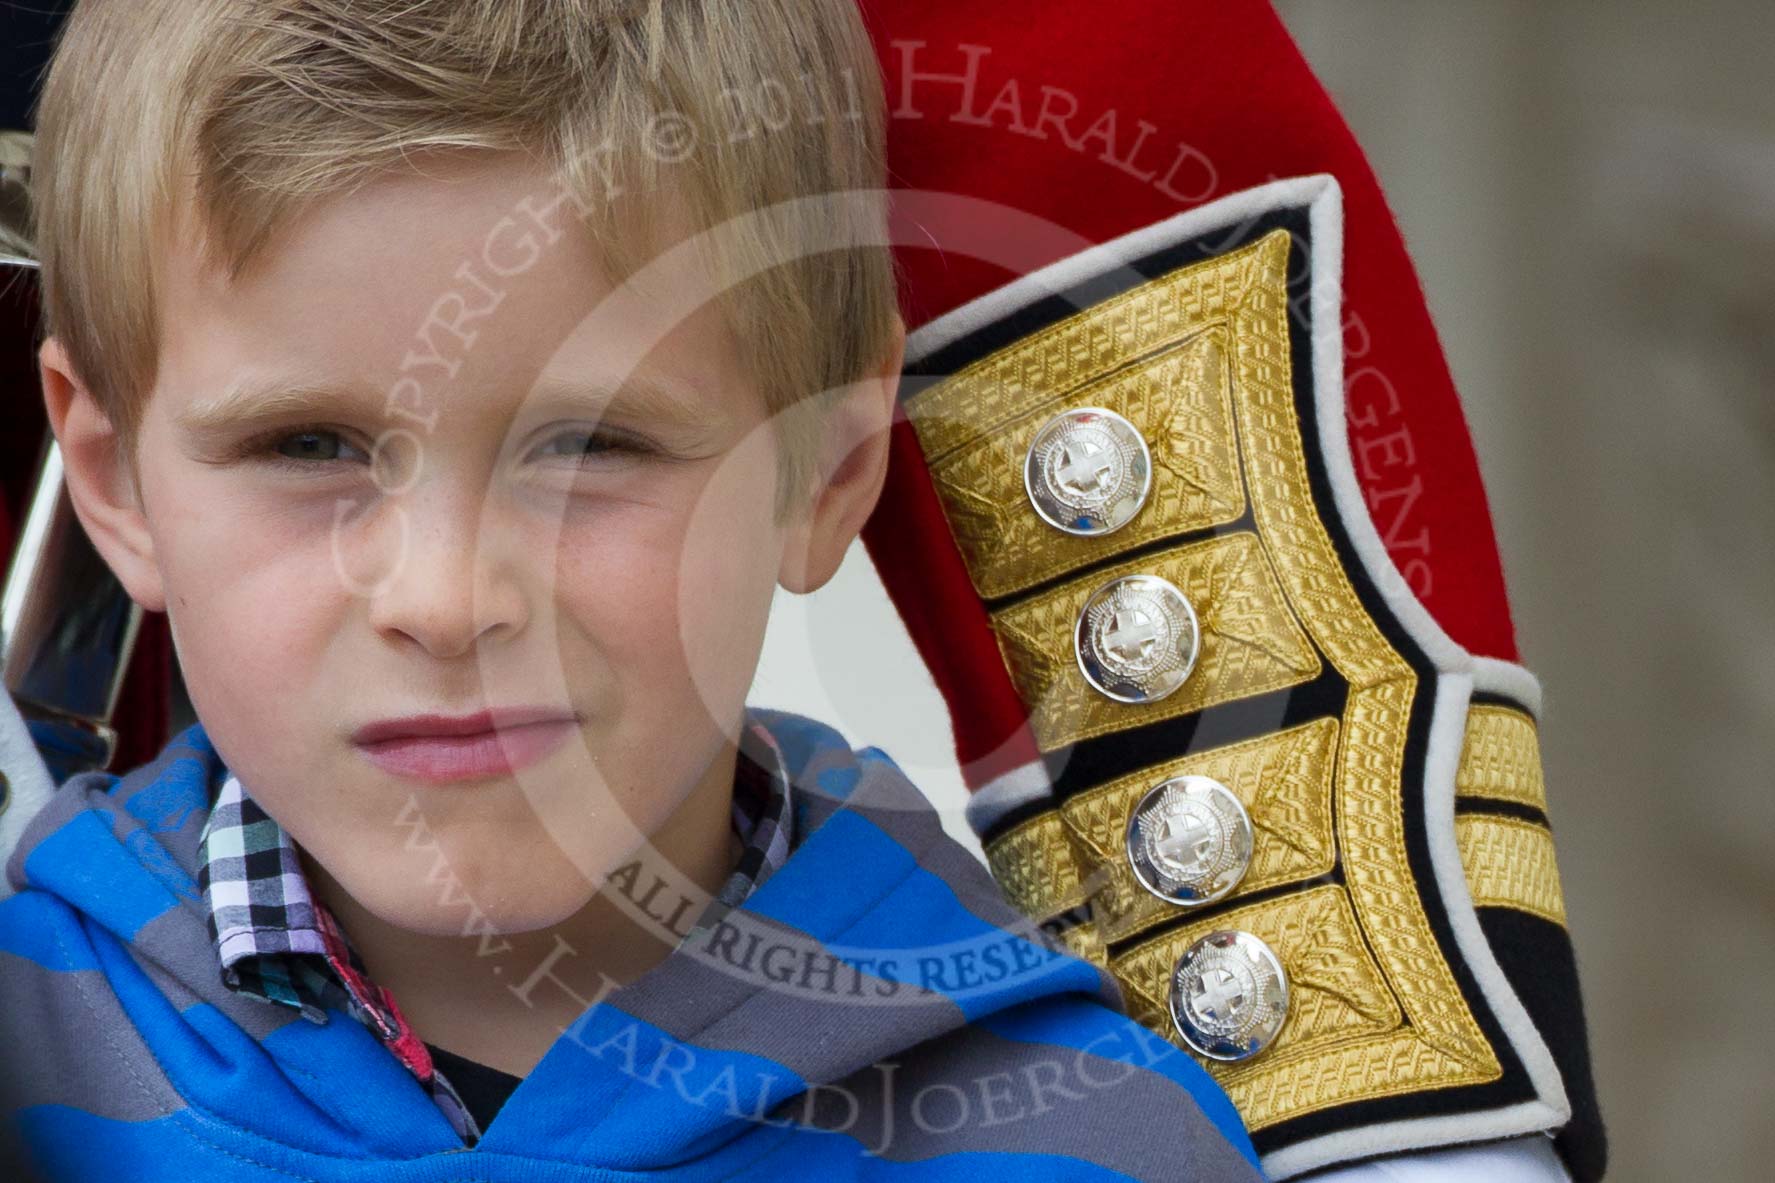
{"type": "Point", "coordinates": [254, 108]}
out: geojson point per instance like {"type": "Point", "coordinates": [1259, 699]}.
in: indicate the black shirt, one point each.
{"type": "Point", "coordinates": [483, 1089]}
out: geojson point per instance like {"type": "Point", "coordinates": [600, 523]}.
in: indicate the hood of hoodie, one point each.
{"type": "Point", "coordinates": [880, 933]}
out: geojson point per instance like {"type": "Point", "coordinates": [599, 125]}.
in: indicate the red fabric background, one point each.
{"type": "Point", "coordinates": [1230, 104]}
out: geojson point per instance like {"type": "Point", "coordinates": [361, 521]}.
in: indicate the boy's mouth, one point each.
{"type": "Point", "coordinates": [440, 749]}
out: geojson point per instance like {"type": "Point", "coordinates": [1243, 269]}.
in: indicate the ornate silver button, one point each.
{"type": "Point", "coordinates": [1137, 638]}
{"type": "Point", "coordinates": [1229, 996]}
{"type": "Point", "coordinates": [1189, 840]}
{"type": "Point", "coordinates": [1087, 471]}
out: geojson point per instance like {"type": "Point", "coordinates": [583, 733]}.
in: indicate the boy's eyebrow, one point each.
{"type": "Point", "coordinates": [639, 397]}
{"type": "Point", "coordinates": [257, 400]}
{"type": "Point", "coordinates": [251, 401]}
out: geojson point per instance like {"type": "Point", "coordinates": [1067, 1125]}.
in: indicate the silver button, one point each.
{"type": "Point", "coordinates": [1189, 840]}
{"type": "Point", "coordinates": [1087, 471]}
{"type": "Point", "coordinates": [1229, 996]}
{"type": "Point", "coordinates": [1137, 638]}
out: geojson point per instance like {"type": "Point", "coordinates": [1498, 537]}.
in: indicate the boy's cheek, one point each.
{"type": "Point", "coordinates": [676, 615]}
{"type": "Point", "coordinates": [732, 549]}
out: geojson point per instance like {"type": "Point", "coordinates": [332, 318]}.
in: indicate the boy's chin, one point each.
{"type": "Point", "coordinates": [486, 911]}
{"type": "Point", "coordinates": [488, 897]}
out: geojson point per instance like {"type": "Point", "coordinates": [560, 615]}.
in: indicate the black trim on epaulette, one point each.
{"type": "Point", "coordinates": [988, 339]}
{"type": "Point", "coordinates": [1538, 958]}
{"type": "Point", "coordinates": [1495, 807]}
{"type": "Point", "coordinates": [1244, 524]}
{"type": "Point", "coordinates": [1491, 698]}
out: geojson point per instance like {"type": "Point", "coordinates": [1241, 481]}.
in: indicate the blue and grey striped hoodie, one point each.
{"type": "Point", "coordinates": [881, 1013]}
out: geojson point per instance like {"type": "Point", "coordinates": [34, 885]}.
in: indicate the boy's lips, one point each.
{"type": "Point", "coordinates": [443, 748]}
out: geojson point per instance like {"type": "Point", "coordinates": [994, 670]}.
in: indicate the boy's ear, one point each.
{"type": "Point", "coordinates": [852, 467]}
{"type": "Point", "coordinates": [99, 479]}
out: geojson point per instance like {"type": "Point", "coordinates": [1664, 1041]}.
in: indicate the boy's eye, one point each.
{"type": "Point", "coordinates": [579, 445]}
{"type": "Point", "coordinates": [316, 447]}
{"type": "Point", "coordinates": [311, 444]}
{"type": "Point", "coordinates": [305, 448]}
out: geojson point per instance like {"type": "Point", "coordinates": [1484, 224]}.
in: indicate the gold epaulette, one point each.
{"type": "Point", "coordinates": [1392, 783]}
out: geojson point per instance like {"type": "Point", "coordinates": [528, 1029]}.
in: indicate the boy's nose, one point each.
{"type": "Point", "coordinates": [453, 577]}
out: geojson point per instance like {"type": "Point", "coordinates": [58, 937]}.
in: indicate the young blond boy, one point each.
{"type": "Point", "coordinates": [461, 379]}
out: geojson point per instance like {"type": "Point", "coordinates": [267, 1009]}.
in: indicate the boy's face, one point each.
{"type": "Point", "coordinates": [565, 519]}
